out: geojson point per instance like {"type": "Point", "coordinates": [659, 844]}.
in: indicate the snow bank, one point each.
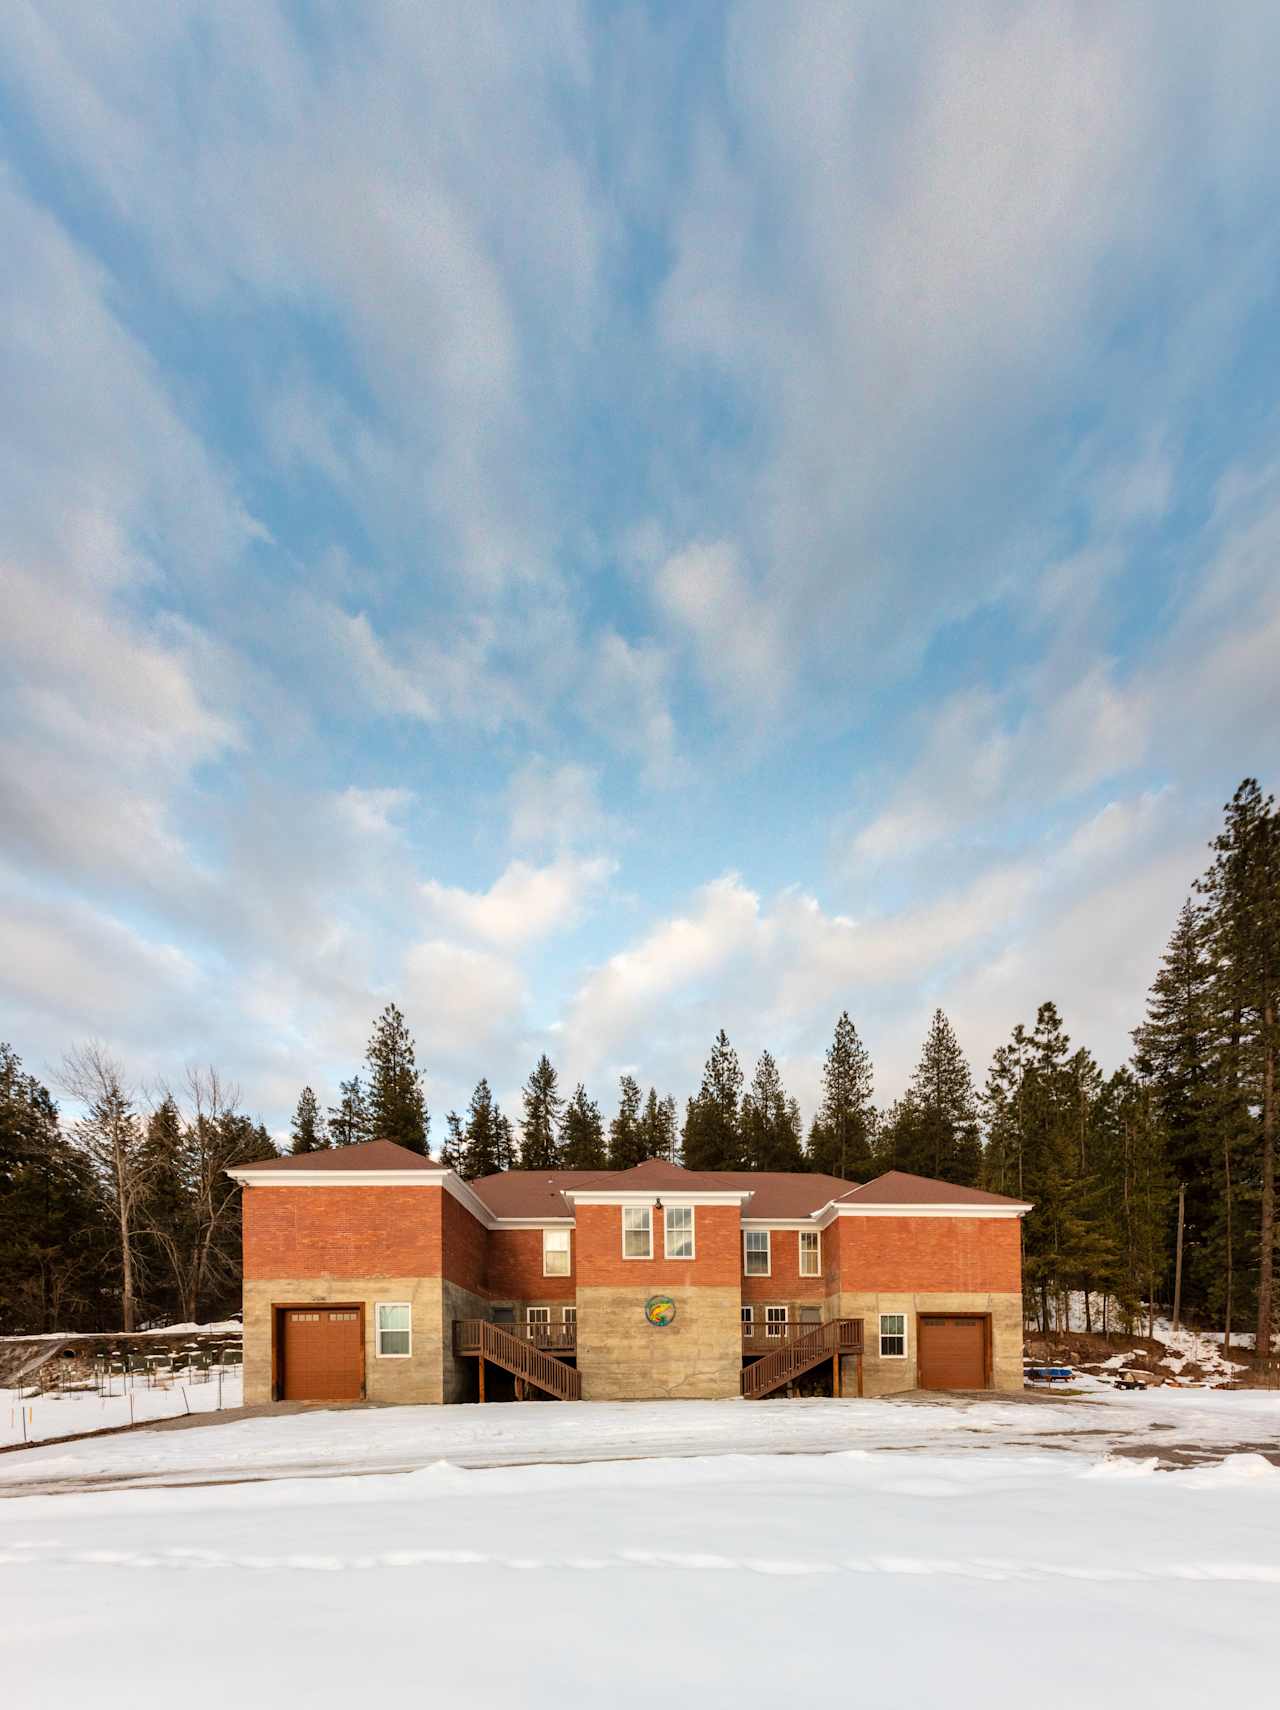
{"type": "Point", "coordinates": [403, 1438]}
{"type": "Point", "coordinates": [25, 1417]}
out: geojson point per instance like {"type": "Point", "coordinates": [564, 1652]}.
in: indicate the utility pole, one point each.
{"type": "Point", "coordinates": [1177, 1269]}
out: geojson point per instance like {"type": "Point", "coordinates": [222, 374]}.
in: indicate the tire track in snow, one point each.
{"type": "Point", "coordinates": [25, 1555]}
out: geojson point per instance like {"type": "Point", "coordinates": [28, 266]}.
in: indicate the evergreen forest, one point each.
{"type": "Point", "coordinates": [116, 1212]}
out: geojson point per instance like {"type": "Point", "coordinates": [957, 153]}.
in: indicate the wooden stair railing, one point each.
{"type": "Point", "coordinates": [829, 1341]}
{"type": "Point", "coordinates": [517, 1355]}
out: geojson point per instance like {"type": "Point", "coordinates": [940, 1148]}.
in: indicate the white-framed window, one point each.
{"type": "Point", "coordinates": [395, 1330]}
{"type": "Point", "coordinates": [536, 1318]}
{"type": "Point", "coordinates": [755, 1252]}
{"type": "Point", "coordinates": [637, 1232]}
{"type": "Point", "coordinates": [569, 1317]}
{"type": "Point", "coordinates": [893, 1335]}
{"type": "Point", "coordinates": [678, 1232]}
{"type": "Point", "coordinates": [775, 1320]}
{"type": "Point", "coordinates": [748, 1321]}
{"type": "Point", "coordinates": [810, 1253]}
{"type": "Point", "coordinates": [555, 1252]}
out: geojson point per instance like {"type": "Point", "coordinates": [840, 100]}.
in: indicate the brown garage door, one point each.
{"type": "Point", "coordinates": [953, 1352]}
{"type": "Point", "coordinates": [322, 1353]}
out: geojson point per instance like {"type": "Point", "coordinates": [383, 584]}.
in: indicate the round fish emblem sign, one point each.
{"type": "Point", "coordinates": [660, 1309]}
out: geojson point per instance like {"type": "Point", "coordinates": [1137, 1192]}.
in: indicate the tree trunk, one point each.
{"type": "Point", "coordinates": [1267, 1231]}
{"type": "Point", "coordinates": [127, 1308]}
{"type": "Point", "coordinates": [1226, 1305]}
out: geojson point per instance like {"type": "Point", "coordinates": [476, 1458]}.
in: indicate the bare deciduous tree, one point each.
{"type": "Point", "coordinates": [110, 1135]}
{"type": "Point", "coordinates": [198, 1234]}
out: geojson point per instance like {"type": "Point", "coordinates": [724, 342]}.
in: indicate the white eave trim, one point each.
{"type": "Point", "coordinates": [987, 1213]}
{"type": "Point", "coordinates": [779, 1222]}
{"type": "Point", "coordinates": [532, 1223]}
{"type": "Point", "coordinates": [250, 1177]}
{"type": "Point", "coordinates": [650, 1196]}
{"type": "Point", "coordinates": [466, 1196]}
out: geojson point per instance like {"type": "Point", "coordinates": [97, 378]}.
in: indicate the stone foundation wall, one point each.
{"type": "Point", "coordinates": [622, 1357]}
{"type": "Point", "coordinates": [891, 1376]}
{"type": "Point", "coordinates": [419, 1378]}
{"type": "Point", "coordinates": [458, 1302]}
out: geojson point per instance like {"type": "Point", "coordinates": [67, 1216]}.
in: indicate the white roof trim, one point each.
{"type": "Point", "coordinates": [651, 1196]}
{"type": "Point", "coordinates": [532, 1223]}
{"type": "Point", "coordinates": [452, 1183]}
{"type": "Point", "coordinates": [778, 1222]}
{"type": "Point", "coordinates": [986, 1211]}
{"type": "Point", "coordinates": [250, 1177]}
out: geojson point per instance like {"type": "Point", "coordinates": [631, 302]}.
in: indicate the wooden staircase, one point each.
{"type": "Point", "coordinates": [518, 1355]}
{"type": "Point", "coordinates": [834, 1340]}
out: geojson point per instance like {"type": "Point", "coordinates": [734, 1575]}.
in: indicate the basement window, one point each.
{"type": "Point", "coordinates": [395, 1337]}
{"type": "Point", "coordinates": [637, 1232]}
{"type": "Point", "coordinates": [775, 1320]}
{"type": "Point", "coordinates": [555, 1252]}
{"type": "Point", "coordinates": [893, 1335]}
{"type": "Point", "coordinates": [678, 1241]}
{"type": "Point", "coordinates": [755, 1252]}
{"type": "Point", "coordinates": [810, 1253]}
{"type": "Point", "coordinates": [537, 1318]}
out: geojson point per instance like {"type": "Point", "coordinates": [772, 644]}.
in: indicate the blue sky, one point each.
{"type": "Point", "coordinates": [600, 523]}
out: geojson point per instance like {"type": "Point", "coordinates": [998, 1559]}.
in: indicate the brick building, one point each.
{"type": "Point", "coordinates": [371, 1271]}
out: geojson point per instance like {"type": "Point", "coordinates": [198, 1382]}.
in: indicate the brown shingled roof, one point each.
{"type": "Point", "coordinates": [897, 1187]}
{"type": "Point", "coordinates": [540, 1193]}
{"type": "Point", "coordinates": [372, 1155]}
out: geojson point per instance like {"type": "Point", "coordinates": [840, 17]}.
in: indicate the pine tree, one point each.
{"type": "Point", "coordinates": [658, 1137]}
{"type": "Point", "coordinates": [539, 1147]}
{"type": "Point", "coordinates": [482, 1144]}
{"type": "Point", "coordinates": [397, 1103]}
{"type": "Point", "coordinates": [349, 1122]}
{"type": "Point", "coordinates": [307, 1126]}
{"type": "Point", "coordinates": [506, 1140]}
{"type": "Point", "coordinates": [1034, 1147]}
{"type": "Point", "coordinates": [769, 1122]}
{"type": "Point", "coordinates": [1243, 892]}
{"type": "Point", "coordinates": [54, 1241]}
{"type": "Point", "coordinates": [582, 1144]}
{"type": "Point", "coordinates": [1130, 1205]}
{"type": "Point", "coordinates": [1174, 1058]}
{"type": "Point", "coordinates": [626, 1140]}
{"type": "Point", "coordinates": [453, 1152]}
{"type": "Point", "coordinates": [840, 1142]}
{"type": "Point", "coordinates": [934, 1131]}
{"type": "Point", "coordinates": [165, 1208]}
{"type": "Point", "coordinates": [712, 1128]}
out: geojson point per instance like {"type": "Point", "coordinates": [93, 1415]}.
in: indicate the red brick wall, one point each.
{"type": "Point", "coordinates": [515, 1267]}
{"type": "Point", "coordinates": [716, 1243]}
{"type": "Point", "coordinates": [939, 1254]}
{"type": "Point", "coordinates": [785, 1281]}
{"type": "Point", "coordinates": [342, 1231]}
{"type": "Point", "coordinates": [465, 1246]}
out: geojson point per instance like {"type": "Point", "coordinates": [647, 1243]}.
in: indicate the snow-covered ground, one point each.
{"type": "Point", "coordinates": [402, 1439]}
{"type": "Point", "coordinates": [27, 1417]}
{"type": "Point", "coordinates": [885, 1579]}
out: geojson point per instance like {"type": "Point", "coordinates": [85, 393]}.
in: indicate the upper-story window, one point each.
{"type": "Point", "coordinates": [678, 1237]}
{"type": "Point", "coordinates": [810, 1253]}
{"type": "Point", "coordinates": [637, 1232]}
{"type": "Point", "coordinates": [755, 1252]}
{"type": "Point", "coordinates": [555, 1252]}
